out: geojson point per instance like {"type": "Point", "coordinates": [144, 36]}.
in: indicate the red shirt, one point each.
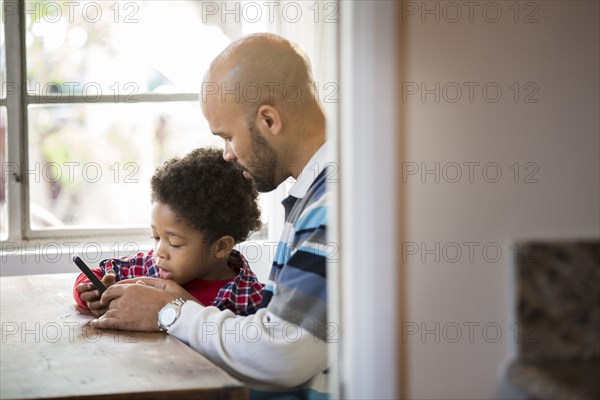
{"type": "Point", "coordinates": [205, 291]}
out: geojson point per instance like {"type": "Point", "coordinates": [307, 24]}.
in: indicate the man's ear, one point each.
{"type": "Point", "coordinates": [268, 119]}
{"type": "Point", "coordinates": [223, 246]}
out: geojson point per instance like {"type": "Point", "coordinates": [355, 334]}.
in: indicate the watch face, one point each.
{"type": "Point", "coordinates": [167, 315]}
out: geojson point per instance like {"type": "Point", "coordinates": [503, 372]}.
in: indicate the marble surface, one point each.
{"type": "Point", "coordinates": [558, 312]}
{"type": "Point", "coordinates": [559, 380]}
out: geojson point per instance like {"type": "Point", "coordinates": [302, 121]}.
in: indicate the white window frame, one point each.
{"type": "Point", "coordinates": [17, 102]}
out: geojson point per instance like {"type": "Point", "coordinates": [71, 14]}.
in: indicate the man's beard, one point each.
{"type": "Point", "coordinates": [262, 168]}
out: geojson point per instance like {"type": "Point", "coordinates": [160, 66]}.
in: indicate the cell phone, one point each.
{"type": "Point", "coordinates": [88, 272]}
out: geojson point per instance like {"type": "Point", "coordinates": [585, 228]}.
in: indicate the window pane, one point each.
{"type": "Point", "coordinates": [99, 47]}
{"type": "Point", "coordinates": [91, 164]}
{"type": "Point", "coordinates": [3, 179]}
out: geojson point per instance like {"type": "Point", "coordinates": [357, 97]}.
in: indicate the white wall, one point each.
{"type": "Point", "coordinates": [367, 207]}
{"type": "Point", "coordinates": [559, 54]}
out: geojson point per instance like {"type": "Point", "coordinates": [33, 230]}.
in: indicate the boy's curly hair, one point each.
{"type": "Point", "coordinates": [209, 193]}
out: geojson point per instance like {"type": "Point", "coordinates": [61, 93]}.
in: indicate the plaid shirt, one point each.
{"type": "Point", "coordinates": [242, 294]}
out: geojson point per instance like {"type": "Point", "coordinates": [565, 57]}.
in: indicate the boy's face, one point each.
{"type": "Point", "coordinates": [180, 251]}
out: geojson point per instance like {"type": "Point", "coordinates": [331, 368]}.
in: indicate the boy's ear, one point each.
{"type": "Point", "coordinates": [223, 246]}
{"type": "Point", "coordinates": [268, 119]}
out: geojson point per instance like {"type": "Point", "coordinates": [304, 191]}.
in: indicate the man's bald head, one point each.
{"type": "Point", "coordinates": [259, 96]}
{"type": "Point", "coordinates": [261, 69]}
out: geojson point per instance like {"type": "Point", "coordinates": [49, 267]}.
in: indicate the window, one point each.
{"type": "Point", "coordinates": [108, 97]}
{"type": "Point", "coordinates": [95, 95]}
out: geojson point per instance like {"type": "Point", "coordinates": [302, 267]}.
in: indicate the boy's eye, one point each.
{"type": "Point", "coordinates": [175, 246]}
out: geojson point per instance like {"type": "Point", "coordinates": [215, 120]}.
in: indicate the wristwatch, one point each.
{"type": "Point", "coordinates": [169, 314]}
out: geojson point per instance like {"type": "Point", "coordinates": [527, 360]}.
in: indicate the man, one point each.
{"type": "Point", "coordinates": [258, 95]}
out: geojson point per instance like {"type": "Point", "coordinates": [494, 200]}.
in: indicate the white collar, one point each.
{"type": "Point", "coordinates": [321, 159]}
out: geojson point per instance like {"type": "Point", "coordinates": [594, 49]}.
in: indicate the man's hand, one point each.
{"type": "Point", "coordinates": [164, 284]}
{"type": "Point", "coordinates": [132, 307]}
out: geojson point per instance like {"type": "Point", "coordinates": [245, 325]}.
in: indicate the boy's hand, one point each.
{"type": "Point", "coordinates": [91, 295]}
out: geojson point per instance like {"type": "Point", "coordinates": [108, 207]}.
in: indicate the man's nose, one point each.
{"type": "Point", "coordinates": [228, 153]}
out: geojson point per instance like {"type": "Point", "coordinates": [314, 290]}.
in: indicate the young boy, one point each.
{"type": "Point", "coordinates": [201, 206]}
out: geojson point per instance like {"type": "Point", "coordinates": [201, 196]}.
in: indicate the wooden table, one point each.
{"type": "Point", "coordinates": [48, 350]}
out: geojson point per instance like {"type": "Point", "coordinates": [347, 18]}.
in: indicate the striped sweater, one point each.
{"type": "Point", "coordinates": [297, 290]}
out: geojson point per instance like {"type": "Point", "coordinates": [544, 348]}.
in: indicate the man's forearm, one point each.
{"type": "Point", "coordinates": [261, 348]}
